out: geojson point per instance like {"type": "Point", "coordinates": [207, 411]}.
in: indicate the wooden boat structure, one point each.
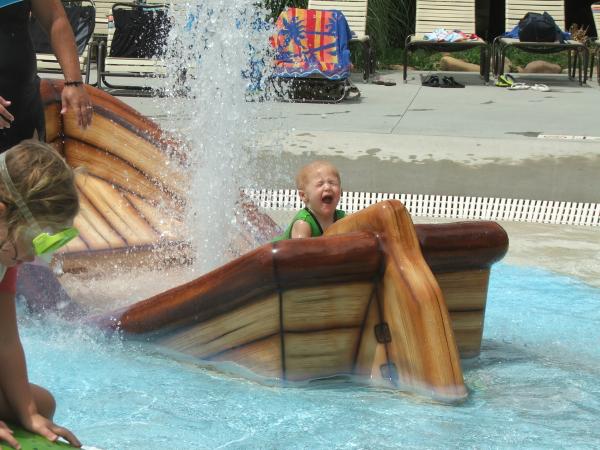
{"type": "Point", "coordinates": [376, 298]}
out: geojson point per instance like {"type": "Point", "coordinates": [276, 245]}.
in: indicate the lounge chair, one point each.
{"type": "Point", "coordinates": [312, 59]}
{"type": "Point", "coordinates": [595, 54]}
{"type": "Point", "coordinates": [133, 47]}
{"type": "Point", "coordinates": [81, 16]}
{"type": "Point", "coordinates": [515, 11]}
{"type": "Point", "coordinates": [103, 13]}
{"type": "Point", "coordinates": [355, 12]}
{"type": "Point", "coordinates": [442, 14]}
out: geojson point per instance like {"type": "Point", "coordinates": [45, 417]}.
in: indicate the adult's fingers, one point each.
{"type": "Point", "coordinates": [4, 123]}
{"type": "Point", "coordinates": [80, 116]}
{"type": "Point", "coordinates": [46, 432]}
{"type": "Point", "coordinates": [6, 435]}
{"type": "Point", "coordinates": [85, 115]}
{"type": "Point", "coordinates": [80, 104]}
{"type": "Point", "coordinates": [5, 115]}
{"type": "Point", "coordinates": [64, 433]}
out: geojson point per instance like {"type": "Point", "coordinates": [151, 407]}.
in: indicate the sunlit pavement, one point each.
{"type": "Point", "coordinates": [478, 141]}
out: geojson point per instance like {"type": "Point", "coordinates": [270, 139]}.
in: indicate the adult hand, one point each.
{"type": "Point", "coordinates": [6, 434]}
{"type": "Point", "coordinates": [5, 117]}
{"type": "Point", "coordinates": [38, 424]}
{"type": "Point", "coordinates": [76, 99]}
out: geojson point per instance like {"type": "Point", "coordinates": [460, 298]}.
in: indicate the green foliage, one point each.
{"type": "Point", "coordinates": [276, 6]}
{"type": "Point", "coordinates": [423, 60]}
{"type": "Point", "coordinates": [390, 21]}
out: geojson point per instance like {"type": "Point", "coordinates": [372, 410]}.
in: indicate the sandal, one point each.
{"type": "Point", "coordinates": [518, 87]}
{"type": "Point", "coordinates": [430, 80]}
{"type": "Point", "coordinates": [450, 82]}
{"type": "Point", "coordinates": [505, 80]}
{"type": "Point", "coordinates": [540, 87]}
{"type": "Point", "coordinates": [384, 82]}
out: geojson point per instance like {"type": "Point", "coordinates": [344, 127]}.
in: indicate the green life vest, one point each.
{"type": "Point", "coordinates": [307, 216]}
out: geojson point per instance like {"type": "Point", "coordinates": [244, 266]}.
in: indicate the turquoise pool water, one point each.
{"type": "Point", "coordinates": [536, 385]}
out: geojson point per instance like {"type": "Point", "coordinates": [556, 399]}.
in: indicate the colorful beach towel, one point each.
{"type": "Point", "coordinates": [312, 42]}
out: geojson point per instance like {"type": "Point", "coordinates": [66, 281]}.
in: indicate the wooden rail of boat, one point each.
{"type": "Point", "coordinates": [132, 184]}
{"type": "Point", "coordinates": [132, 188]}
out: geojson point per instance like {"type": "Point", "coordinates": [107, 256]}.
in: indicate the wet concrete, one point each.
{"type": "Point", "coordinates": [539, 179]}
{"type": "Point", "coordinates": [568, 250]}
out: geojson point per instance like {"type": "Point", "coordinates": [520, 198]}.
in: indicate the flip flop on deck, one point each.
{"type": "Point", "coordinates": [384, 82]}
{"type": "Point", "coordinates": [540, 87]}
{"type": "Point", "coordinates": [430, 80]}
{"type": "Point", "coordinates": [450, 82]}
{"type": "Point", "coordinates": [518, 87]}
{"type": "Point", "coordinates": [505, 80]}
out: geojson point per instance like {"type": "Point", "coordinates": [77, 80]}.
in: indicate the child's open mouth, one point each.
{"type": "Point", "coordinates": [327, 199]}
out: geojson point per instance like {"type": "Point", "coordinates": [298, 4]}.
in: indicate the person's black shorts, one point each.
{"type": "Point", "coordinates": [26, 106]}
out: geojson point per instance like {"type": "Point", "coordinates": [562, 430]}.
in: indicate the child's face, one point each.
{"type": "Point", "coordinates": [17, 247]}
{"type": "Point", "coordinates": [322, 191]}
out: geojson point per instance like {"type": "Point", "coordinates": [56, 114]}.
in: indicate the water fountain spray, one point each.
{"type": "Point", "coordinates": [218, 62]}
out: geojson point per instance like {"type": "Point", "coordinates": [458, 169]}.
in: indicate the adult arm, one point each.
{"type": "Point", "coordinates": [14, 382]}
{"type": "Point", "coordinates": [53, 19]}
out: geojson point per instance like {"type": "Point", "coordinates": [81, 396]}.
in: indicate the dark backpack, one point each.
{"type": "Point", "coordinates": [82, 19]}
{"type": "Point", "coordinates": [535, 27]}
{"type": "Point", "coordinates": [140, 30]}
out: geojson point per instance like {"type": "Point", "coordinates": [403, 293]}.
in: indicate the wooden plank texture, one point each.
{"type": "Point", "coordinates": [326, 307]}
{"type": "Point", "coordinates": [321, 354]}
{"type": "Point", "coordinates": [355, 12]}
{"type": "Point", "coordinates": [451, 15]}
{"type": "Point", "coordinates": [227, 331]}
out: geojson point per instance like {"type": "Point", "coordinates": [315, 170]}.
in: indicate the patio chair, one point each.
{"type": "Point", "coordinates": [355, 12]}
{"type": "Point", "coordinates": [103, 13]}
{"type": "Point", "coordinates": [81, 16]}
{"type": "Point", "coordinates": [515, 10]}
{"type": "Point", "coordinates": [595, 42]}
{"type": "Point", "coordinates": [449, 15]}
{"type": "Point", "coordinates": [312, 59]}
{"type": "Point", "coordinates": [133, 47]}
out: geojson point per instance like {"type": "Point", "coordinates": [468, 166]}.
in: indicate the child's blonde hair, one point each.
{"type": "Point", "coordinates": [303, 173]}
{"type": "Point", "coordinates": [44, 180]}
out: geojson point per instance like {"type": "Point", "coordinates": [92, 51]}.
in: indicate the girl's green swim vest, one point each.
{"type": "Point", "coordinates": [307, 216]}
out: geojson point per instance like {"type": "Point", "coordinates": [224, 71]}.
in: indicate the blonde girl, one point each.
{"type": "Point", "coordinates": [38, 202]}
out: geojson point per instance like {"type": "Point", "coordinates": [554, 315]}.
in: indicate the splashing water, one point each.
{"type": "Point", "coordinates": [217, 60]}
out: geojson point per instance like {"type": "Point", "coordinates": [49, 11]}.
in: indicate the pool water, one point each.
{"type": "Point", "coordinates": [536, 384]}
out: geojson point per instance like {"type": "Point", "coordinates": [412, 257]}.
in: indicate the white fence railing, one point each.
{"type": "Point", "coordinates": [449, 206]}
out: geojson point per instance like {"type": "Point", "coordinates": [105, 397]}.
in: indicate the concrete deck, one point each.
{"type": "Point", "coordinates": [477, 141]}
